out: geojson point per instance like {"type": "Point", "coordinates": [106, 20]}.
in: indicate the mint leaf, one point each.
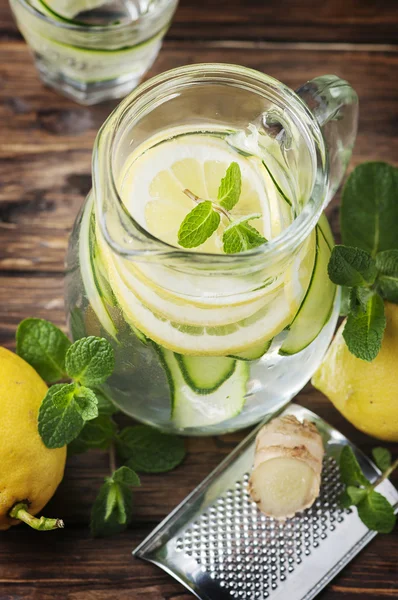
{"type": "Point", "coordinates": [351, 267]}
{"type": "Point", "coordinates": [369, 210]}
{"type": "Point", "coordinates": [63, 412]}
{"type": "Point", "coordinates": [356, 494]}
{"type": "Point", "coordinates": [86, 403]}
{"type": "Point", "coordinates": [90, 361]}
{"type": "Point", "coordinates": [344, 500]}
{"type": "Point", "coordinates": [198, 225]}
{"type": "Point", "coordinates": [376, 513]}
{"type": "Point", "coordinates": [126, 476]}
{"type": "Point", "coordinates": [111, 512]}
{"type": "Point", "coordinates": [240, 236]}
{"type": "Point", "coordinates": [149, 450]}
{"type": "Point", "coordinates": [98, 433]}
{"type": "Point", "coordinates": [387, 280]}
{"type": "Point", "coordinates": [350, 471]}
{"type": "Point", "coordinates": [382, 458]}
{"type": "Point", "coordinates": [44, 347]}
{"type": "Point", "coordinates": [230, 187]}
{"type": "Point", "coordinates": [363, 332]}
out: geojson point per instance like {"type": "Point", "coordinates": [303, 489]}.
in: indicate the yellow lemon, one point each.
{"type": "Point", "coordinates": [366, 393]}
{"type": "Point", "coordinates": [29, 472]}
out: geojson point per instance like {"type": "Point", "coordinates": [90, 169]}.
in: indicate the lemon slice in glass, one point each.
{"type": "Point", "coordinates": [154, 182]}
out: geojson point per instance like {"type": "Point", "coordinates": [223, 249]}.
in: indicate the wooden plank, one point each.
{"type": "Point", "coordinates": [105, 570]}
{"type": "Point", "coordinates": [353, 21]}
{"type": "Point", "coordinates": [46, 140]}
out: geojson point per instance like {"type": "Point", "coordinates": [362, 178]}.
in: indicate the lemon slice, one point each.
{"type": "Point", "coordinates": [153, 186]}
{"type": "Point", "coordinates": [182, 312]}
{"type": "Point", "coordinates": [200, 340]}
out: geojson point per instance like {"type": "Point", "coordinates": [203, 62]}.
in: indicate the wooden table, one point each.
{"type": "Point", "coordinates": [45, 146]}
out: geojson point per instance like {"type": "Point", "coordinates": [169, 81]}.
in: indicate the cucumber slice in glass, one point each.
{"type": "Point", "coordinates": [254, 353]}
{"type": "Point", "coordinates": [90, 283]}
{"type": "Point", "coordinates": [190, 409]}
{"type": "Point", "coordinates": [317, 304]}
{"type": "Point", "coordinates": [204, 374]}
{"type": "Point", "coordinates": [324, 226]}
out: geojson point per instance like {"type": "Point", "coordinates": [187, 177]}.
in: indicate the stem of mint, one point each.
{"type": "Point", "coordinates": [385, 475]}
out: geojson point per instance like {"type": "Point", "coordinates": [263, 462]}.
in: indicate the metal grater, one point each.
{"type": "Point", "coordinates": [221, 547]}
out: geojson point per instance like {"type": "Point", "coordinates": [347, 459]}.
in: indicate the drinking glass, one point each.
{"type": "Point", "coordinates": [99, 54]}
{"type": "Point", "coordinates": [207, 343]}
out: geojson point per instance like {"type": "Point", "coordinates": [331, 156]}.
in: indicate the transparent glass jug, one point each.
{"type": "Point", "coordinates": [209, 343]}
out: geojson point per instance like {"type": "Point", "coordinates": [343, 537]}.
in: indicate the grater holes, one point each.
{"type": "Point", "coordinates": [250, 553]}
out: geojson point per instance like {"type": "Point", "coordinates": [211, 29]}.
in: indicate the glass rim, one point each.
{"type": "Point", "coordinates": [290, 237]}
{"type": "Point", "coordinates": [69, 25]}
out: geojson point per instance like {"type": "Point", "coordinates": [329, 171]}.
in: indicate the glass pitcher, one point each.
{"type": "Point", "coordinates": [207, 342]}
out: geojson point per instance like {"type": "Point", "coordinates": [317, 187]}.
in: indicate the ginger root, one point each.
{"type": "Point", "coordinates": [287, 468]}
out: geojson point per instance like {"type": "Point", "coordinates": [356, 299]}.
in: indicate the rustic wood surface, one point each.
{"type": "Point", "coordinates": [45, 153]}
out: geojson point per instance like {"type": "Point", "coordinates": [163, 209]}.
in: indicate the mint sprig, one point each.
{"type": "Point", "coordinates": [88, 362]}
{"type": "Point", "coordinates": [203, 220]}
{"type": "Point", "coordinates": [374, 509]}
{"type": "Point", "coordinates": [367, 264]}
{"type": "Point", "coordinates": [112, 509]}
{"type": "Point", "coordinates": [79, 414]}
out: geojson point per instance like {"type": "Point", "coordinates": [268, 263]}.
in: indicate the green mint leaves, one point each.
{"type": "Point", "coordinates": [112, 509]}
{"type": "Point", "coordinates": [198, 225]}
{"type": "Point", "coordinates": [364, 329]}
{"type": "Point", "coordinates": [80, 415]}
{"type": "Point", "coordinates": [150, 451]}
{"type": "Point", "coordinates": [382, 458]}
{"type": "Point", "coordinates": [230, 187]}
{"type": "Point", "coordinates": [44, 347]}
{"type": "Point", "coordinates": [204, 219]}
{"type": "Point", "coordinates": [369, 208]}
{"type": "Point", "coordinates": [63, 413]}
{"type": "Point", "coordinates": [374, 510]}
{"type": "Point", "coordinates": [387, 280]}
{"type": "Point", "coordinates": [67, 406]}
{"type": "Point", "coordinates": [367, 264]}
{"type": "Point", "coordinates": [240, 236]}
{"type": "Point", "coordinates": [90, 361]}
{"type": "Point", "coordinates": [351, 267]}
{"type": "Point", "coordinates": [144, 449]}
{"type": "Point", "coordinates": [98, 433]}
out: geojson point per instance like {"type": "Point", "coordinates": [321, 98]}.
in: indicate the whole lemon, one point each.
{"type": "Point", "coordinates": [366, 393]}
{"type": "Point", "coordinates": [29, 471]}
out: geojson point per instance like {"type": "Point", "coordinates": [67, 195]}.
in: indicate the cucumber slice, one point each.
{"type": "Point", "coordinates": [317, 304]}
{"type": "Point", "coordinates": [90, 283]}
{"type": "Point", "coordinates": [324, 226]}
{"type": "Point", "coordinates": [253, 353]}
{"type": "Point", "coordinates": [190, 409]}
{"type": "Point", "coordinates": [204, 374]}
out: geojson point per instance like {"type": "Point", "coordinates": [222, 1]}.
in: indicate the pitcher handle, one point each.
{"type": "Point", "coordinates": [334, 103]}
